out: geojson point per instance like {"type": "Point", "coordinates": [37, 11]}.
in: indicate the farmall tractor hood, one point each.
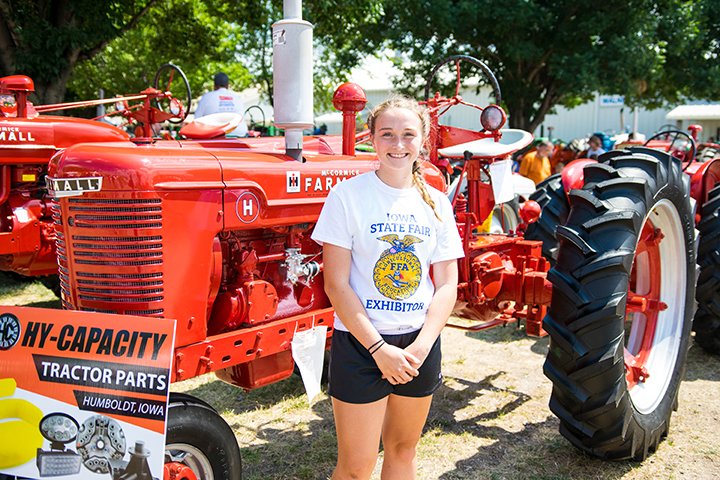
{"type": "Point", "coordinates": [30, 140]}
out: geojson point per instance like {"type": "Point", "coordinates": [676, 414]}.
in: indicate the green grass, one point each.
{"type": "Point", "coordinates": [27, 292]}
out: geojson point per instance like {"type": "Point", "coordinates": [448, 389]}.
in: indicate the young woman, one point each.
{"type": "Point", "coordinates": [381, 231]}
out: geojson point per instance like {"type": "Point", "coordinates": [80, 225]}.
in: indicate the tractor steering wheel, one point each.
{"type": "Point", "coordinates": [467, 58]}
{"type": "Point", "coordinates": [164, 77]}
{"type": "Point", "coordinates": [666, 135]}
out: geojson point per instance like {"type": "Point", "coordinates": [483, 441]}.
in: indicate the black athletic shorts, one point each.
{"type": "Point", "coordinates": [354, 377]}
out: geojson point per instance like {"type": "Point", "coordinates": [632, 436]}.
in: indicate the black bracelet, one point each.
{"type": "Point", "coordinates": [371, 346]}
{"type": "Point", "coordinates": [377, 348]}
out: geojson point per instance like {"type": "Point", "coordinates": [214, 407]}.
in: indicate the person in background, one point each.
{"type": "Point", "coordinates": [220, 99]}
{"type": "Point", "coordinates": [381, 232]}
{"type": "Point", "coordinates": [536, 165]}
{"type": "Point", "coordinates": [595, 148]}
{"type": "Point", "coordinates": [321, 130]}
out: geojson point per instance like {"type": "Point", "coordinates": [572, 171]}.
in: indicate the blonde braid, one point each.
{"type": "Point", "coordinates": [419, 182]}
{"type": "Point", "coordinates": [413, 106]}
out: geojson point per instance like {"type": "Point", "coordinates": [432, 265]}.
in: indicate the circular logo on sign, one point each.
{"type": "Point", "coordinates": [398, 271]}
{"type": "Point", "coordinates": [9, 331]}
{"type": "Point", "coordinates": [247, 207]}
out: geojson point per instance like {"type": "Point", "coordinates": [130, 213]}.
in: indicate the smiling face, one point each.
{"type": "Point", "coordinates": [398, 138]}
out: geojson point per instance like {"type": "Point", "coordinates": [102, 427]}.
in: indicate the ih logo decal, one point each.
{"type": "Point", "coordinates": [247, 207]}
{"type": "Point", "coordinates": [397, 273]}
{"type": "Point", "coordinates": [293, 182]}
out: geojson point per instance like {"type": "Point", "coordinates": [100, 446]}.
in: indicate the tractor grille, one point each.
{"type": "Point", "coordinates": [112, 248]}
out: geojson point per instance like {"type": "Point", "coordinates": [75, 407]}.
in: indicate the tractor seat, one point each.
{"type": "Point", "coordinates": [511, 141]}
{"type": "Point", "coordinates": [211, 126]}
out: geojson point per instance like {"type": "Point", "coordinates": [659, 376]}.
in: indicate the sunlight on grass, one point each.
{"type": "Point", "coordinates": [31, 293]}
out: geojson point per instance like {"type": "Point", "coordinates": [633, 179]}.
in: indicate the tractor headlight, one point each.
{"type": "Point", "coordinates": [492, 118]}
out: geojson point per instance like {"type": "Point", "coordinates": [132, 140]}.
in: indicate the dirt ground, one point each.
{"type": "Point", "coordinates": [489, 420]}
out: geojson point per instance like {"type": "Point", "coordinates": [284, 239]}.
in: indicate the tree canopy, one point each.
{"type": "Point", "coordinates": [44, 39]}
{"type": "Point", "coordinates": [546, 53]}
{"type": "Point", "coordinates": [206, 36]}
{"type": "Point", "coordinates": [182, 32]}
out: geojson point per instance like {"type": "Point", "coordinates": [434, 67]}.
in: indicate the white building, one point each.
{"type": "Point", "coordinates": [707, 116]}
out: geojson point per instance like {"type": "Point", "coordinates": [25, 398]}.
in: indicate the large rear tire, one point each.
{"type": "Point", "coordinates": [198, 438]}
{"type": "Point", "coordinates": [707, 318]}
{"type": "Point", "coordinates": [553, 201]}
{"type": "Point", "coordinates": [622, 304]}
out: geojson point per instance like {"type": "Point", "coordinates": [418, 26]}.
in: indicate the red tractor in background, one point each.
{"type": "Point", "coordinates": [702, 164]}
{"type": "Point", "coordinates": [27, 142]}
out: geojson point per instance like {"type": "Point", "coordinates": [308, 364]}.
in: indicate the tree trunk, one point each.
{"type": "Point", "coordinates": [520, 119]}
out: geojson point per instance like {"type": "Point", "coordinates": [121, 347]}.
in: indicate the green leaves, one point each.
{"type": "Point", "coordinates": [546, 52]}
{"type": "Point", "coordinates": [182, 32]}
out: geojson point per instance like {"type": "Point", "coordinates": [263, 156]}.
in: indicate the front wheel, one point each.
{"type": "Point", "coordinates": [505, 217]}
{"type": "Point", "coordinates": [199, 439]}
{"type": "Point", "coordinates": [622, 304]}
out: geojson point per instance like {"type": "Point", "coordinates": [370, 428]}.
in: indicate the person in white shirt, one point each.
{"type": "Point", "coordinates": [222, 100]}
{"type": "Point", "coordinates": [381, 232]}
{"type": "Point", "coordinates": [595, 147]}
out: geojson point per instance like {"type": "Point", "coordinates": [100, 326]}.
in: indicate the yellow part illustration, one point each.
{"type": "Point", "coordinates": [20, 435]}
{"type": "Point", "coordinates": [7, 387]}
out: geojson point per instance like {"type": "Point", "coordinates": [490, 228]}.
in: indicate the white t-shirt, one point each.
{"type": "Point", "coordinates": [394, 237]}
{"type": "Point", "coordinates": [223, 100]}
{"type": "Point", "coordinates": [597, 152]}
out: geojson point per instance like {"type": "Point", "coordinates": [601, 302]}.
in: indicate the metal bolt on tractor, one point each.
{"type": "Point", "coordinates": [215, 234]}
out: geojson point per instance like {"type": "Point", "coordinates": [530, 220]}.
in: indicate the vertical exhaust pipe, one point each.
{"type": "Point", "coordinates": [292, 76]}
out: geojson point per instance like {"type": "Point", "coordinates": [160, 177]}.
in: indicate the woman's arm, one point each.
{"type": "Point", "coordinates": [397, 365]}
{"type": "Point", "coordinates": [445, 277]}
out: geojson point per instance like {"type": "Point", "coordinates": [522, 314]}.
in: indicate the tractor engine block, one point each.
{"type": "Point", "coordinates": [265, 276]}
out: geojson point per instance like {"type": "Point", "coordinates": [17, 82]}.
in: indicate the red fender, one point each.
{"type": "Point", "coordinates": [704, 177]}
{"type": "Point", "coordinates": [572, 174]}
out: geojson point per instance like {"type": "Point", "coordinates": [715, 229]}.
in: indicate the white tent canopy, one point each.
{"type": "Point", "coordinates": [694, 112]}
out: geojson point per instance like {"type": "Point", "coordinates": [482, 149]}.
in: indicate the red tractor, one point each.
{"type": "Point", "coordinates": [701, 165]}
{"type": "Point", "coordinates": [28, 141]}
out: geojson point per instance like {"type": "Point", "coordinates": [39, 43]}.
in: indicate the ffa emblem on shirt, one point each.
{"type": "Point", "coordinates": [397, 273]}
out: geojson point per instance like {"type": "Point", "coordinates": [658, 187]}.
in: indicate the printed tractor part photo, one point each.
{"type": "Point", "coordinates": [60, 429]}
{"type": "Point", "coordinates": [19, 419]}
{"type": "Point", "coordinates": [101, 443]}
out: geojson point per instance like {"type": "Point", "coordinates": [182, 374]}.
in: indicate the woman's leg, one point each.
{"type": "Point", "coordinates": [404, 421]}
{"type": "Point", "coordinates": [358, 434]}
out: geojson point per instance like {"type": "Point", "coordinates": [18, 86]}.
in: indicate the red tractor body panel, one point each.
{"type": "Point", "coordinates": [27, 237]}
